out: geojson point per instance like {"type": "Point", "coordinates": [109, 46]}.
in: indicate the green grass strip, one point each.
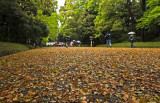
{"type": "Point", "coordinates": [137, 44]}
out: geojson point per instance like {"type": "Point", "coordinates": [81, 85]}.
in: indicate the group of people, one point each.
{"type": "Point", "coordinates": [75, 43]}
{"type": "Point", "coordinates": [131, 39]}
{"type": "Point", "coordinates": [72, 43]}
{"type": "Point", "coordinates": [108, 40]}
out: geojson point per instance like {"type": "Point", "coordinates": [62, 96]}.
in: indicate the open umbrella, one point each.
{"type": "Point", "coordinates": [131, 32]}
{"type": "Point", "coordinates": [67, 37]}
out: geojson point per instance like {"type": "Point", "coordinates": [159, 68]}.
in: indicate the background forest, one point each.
{"type": "Point", "coordinates": [28, 21]}
{"type": "Point", "coordinates": [36, 21]}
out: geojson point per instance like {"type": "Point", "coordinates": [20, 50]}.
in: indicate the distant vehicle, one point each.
{"type": "Point", "coordinates": [75, 43]}
{"type": "Point", "coordinates": [50, 43]}
{"type": "Point", "coordinates": [60, 44]}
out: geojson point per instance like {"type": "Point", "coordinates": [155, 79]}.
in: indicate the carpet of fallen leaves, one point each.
{"type": "Point", "coordinates": [98, 75]}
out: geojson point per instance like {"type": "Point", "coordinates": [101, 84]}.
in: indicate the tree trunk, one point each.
{"type": "Point", "coordinates": [143, 6]}
{"type": "Point", "coordinates": [143, 35]}
{"type": "Point", "coordinates": [131, 15]}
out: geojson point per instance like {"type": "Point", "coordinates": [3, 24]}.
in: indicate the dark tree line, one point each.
{"type": "Point", "coordinates": [18, 22]}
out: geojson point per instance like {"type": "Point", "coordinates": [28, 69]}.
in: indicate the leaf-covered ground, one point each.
{"type": "Point", "coordinates": [95, 75]}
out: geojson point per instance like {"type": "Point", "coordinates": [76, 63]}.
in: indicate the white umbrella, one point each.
{"type": "Point", "coordinates": [78, 41]}
{"type": "Point", "coordinates": [131, 32]}
{"type": "Point", "coordinates": [67, 37]}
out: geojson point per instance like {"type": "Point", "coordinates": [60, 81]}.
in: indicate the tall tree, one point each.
{"type": "Point", "coordinates": [70, 14]}
{"type": "Point", "coordinates": [143, 8]}
{"type": "Point", "coordinates": [131, 15]}
{"type": "Point", "coordinates": [112, 18]}
{"type": "Point", "coordinates": [21, 20]}
{"type": "Point", "coordinates": [78, 18]}
{"type": "Point", "coordinates": [11, 17]}
{"type": "Point", "coordinates": [150, 20]}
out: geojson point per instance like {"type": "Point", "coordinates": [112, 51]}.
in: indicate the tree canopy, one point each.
{"type": "Point", "coordinates": [84, 18]}
{"type": "Point", "coordinates": [28, 21]}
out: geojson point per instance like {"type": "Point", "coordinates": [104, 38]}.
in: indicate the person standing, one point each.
{"type": "Point", "coordinates": [73, 43]}
{"type": "Point", "coordinates": [131, 38]}
{"type": "Point", "coordinates": [79, 43]}
{"type": "Point", "coordinates": [66, 44]}
{"type": "Point", "coordinates": [108, 39]}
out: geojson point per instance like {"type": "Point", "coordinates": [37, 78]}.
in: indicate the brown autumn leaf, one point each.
{"type": "Point", "coordinates": [9, 96]}
{"type": "Point", "coordinates": [31, 93]}
{"type": "Point", "coordinates": [15, 99]}
{"type": "Point", "coordinates": [134, 100]}
{"type": "Point", "coordinates": [84, 101]}
{"type": "Point", "coordinates": [125, 97]}
{"type": "Point", "coordinates": [1, 98]}
{"type": "Point", "coordinates": [44, 93]}
{"type": "Point", "coordinates": [143, 100]}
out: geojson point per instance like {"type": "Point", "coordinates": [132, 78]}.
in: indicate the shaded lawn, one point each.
{"type": "Point", "coordinates": [11, 48]}
{"type": "Point", "coordinates": [81, 75]}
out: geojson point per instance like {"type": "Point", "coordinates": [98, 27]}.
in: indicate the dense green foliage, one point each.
{"type": "Point", "coordinates": [78, 19]}
{"type": "Point", "coordinates": [150, 20]}
{"type": "Point", "coordinates": [83, 18]}
{"type": "Point", "coordinates": [10, 48]}
{"type": "Point", "coordinates": [28, 21]}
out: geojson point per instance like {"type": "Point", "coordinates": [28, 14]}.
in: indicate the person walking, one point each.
{"type": "Point", "coordinates": [131, 38]}
{"type": "Point", "coordinates": [108, 39]}
{"type": "Point", "coordinates": [66, 41]}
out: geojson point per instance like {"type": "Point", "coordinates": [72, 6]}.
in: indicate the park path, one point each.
{"type": "Point", "coordinates": [81, 74]}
